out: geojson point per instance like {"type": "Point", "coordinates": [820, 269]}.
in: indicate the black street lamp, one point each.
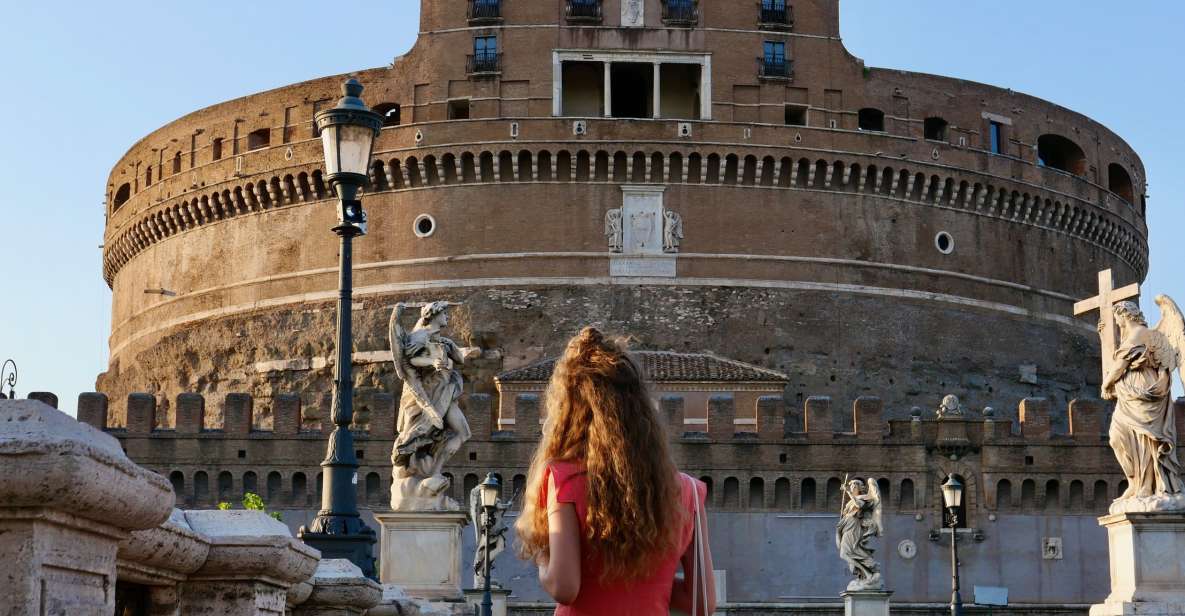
{"type": "Point", "coordinates": [348, 132]}
{"type": "Point", "coordinates": [9, 380]}
{"type": "Point", "coordinates": [952, 497]}
{"type": "Point", "coordinates": [491, 489]}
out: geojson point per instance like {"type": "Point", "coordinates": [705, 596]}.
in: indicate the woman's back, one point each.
{"type": "Point", "coordinates": [650, 596]}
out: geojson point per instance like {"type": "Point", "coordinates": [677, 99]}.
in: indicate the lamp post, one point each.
{"type": "Point", "coordinates": [491, 489]}
{"type": "Point", "coordinates": [952, 497]}
{"type": "Point", "coordinates": [348, 131]}
{"type": "Point", "coordinates": [9, 367]}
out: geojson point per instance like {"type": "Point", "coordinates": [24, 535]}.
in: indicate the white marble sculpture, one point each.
{"type": "Point", "coordinates": [672, 231]}
{"type": "Point", "coordinates": [431, 425]}
{"type": "Point", "coordinates": [1143, 430]}
{"type": "Point", "coordinates": [859, 522]}
{"type": "Point", "coordinates": [950, 407]}
{"type": "Point", "coordinates": [613, 230]}
{"type": "Point", "coordinates": [497, 541]}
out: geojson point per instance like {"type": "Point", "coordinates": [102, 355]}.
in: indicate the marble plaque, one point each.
{"type": "Point", "coordinates": [421, 552]}
{"type": "Point", "coordinates": [633, 13]}
{"type": "Point", "coordinates": [642, 267]}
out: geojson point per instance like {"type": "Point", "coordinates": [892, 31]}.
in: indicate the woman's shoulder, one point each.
{"type": "Point", "coordinates": [686, 482]}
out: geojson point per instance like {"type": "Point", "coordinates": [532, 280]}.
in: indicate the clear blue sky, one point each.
{"type": "Point", "coordinates": [85, 80]}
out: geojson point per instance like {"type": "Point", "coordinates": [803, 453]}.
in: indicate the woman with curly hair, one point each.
{"type": "Point", "coordinates": [609, 519]}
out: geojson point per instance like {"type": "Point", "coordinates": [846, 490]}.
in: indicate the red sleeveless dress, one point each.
{"type": "Point", "coordinates": [647, 597]}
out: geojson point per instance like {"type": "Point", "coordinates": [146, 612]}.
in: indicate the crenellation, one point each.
{"type": "Point", "coordinates": [44, 397]}
{"type": "Point", "coordinates": [819, 424]}
{"type": "Point", "coordinates": [721, 413]}
{"type": "Point", "coordinates": [868, 418]}
{"type": "Point", "coordinates": [92, 409]}
{"type": "Point", "coordinates": [237, 412]}
{"type": "Point", "coordinates": [1034, 419]}
{"type": "Point", "coordinates": [479, 411]}
{"type": "Point", "coordinates": [382, 413]}
{"type": "Point", "coordinates": [1086, 420]}
{"type": "Point", "coordinates": [772, 418]}
{"type": "Point", "coordinates": [141, 413]}
{"type": "Point", "coordinates": [286, 414]}
{"type": "Point", "coordinates": [527, 416]}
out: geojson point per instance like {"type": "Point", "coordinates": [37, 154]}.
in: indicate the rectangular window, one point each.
{"type": "Point", "coordinates": [773, 5]}
{"type": "Point", "coordinates": [458, 109]}
{"type": "Point", "coordinates": [795, 115]}
{"type": "Point", "coordinates": [485, 47]}
{"type": "Point", "coordinates": [775, 52]}
{"type": "Point", "coordinates": [996, 137]}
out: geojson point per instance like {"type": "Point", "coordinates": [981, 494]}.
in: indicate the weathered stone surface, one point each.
{"type": "Point", "coordinates": [1147, 555]}
{"type": "Point", "coordinates": [421, 553]}
{"type": "Point", "coordinates": [339, 589]}
{"type": "Point", "coordinates": [165, 554]}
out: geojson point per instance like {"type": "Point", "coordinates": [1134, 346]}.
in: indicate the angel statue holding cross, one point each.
{"type": "Point", "coordinates": [859, 522]}
{"type": "Point", "coordinates": [1139, 378]}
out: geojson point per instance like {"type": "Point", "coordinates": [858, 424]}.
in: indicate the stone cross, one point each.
{"type": "Point", "coordinates": [1108, 296]}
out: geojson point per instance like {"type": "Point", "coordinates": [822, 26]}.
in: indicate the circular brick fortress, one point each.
{"type": "Point", "coordinates": [863, 230]}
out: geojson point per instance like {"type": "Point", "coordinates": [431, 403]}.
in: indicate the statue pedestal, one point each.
{"type": "Point", "coordinates": [866, 602]}
{"type": "Point", "coordinates": [421, 553]}
{"type": "Point", "coordinates": [499, 596]}
{"type": "Point", "coordinates": [1147, 564]}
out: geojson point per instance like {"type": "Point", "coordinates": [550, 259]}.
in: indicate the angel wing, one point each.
{"type": "Point", "coordinates": [1172, 327]}
{"type": "Point", "coordinates": [403, 367]}
{"type": "Point", "coordinates": [876, 520]}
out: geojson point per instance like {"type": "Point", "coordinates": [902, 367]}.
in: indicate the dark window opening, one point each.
{"type": "Point", "coordinates": [121, 196]}
{"type": "Point", "coordinates": [584, 89]}
{"type": "Point", "coordinates": [679, 91]}
{"type": "Point", "coordinates": [680, 12]}
{"type": "Point", "coordinates": [177, 163]}
{"type": "Point", "coordinates": [485, 10]}
{"type": "Point", "coordinates": [776, 14]}
{"type": "Point", "coordinates": [996, 138]}
{"type": "Point", "coordinates": [1028, 460]}
{"type": "Point", "coordinates": [458, 109]}
{"type": "Point", "coordinates": [1059, 153]}
{"type": "Point", "coordinates": [806, 497]}
{"type": "Point", "coordinates": [390, 113]}
{"type": "Point", "coordinates": [1120, 183]}
{"type": "Point", "coordinates": [583, 10]}
{"type": "Point", "coordinates": [216, 148]}
{"type": "Point", "coordinates": [259, 139]}
{"type": "Point", "coordinates": [148, 176]}
{"type": "Point", "coordinates": [872, 120]}
{"type": "Point", "coordinates": [795, 115]}
{"type": "Point", "coordinates": [631, 84]}
{"type": "Point", "coordinates": [935, 129]}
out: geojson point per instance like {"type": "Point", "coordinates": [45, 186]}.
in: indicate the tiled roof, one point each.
{"type": "Point", "coordinates": [666, 367]}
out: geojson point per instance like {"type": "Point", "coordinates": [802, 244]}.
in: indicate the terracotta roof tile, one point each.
{"type": "Point", "coordinates": [666, 367]}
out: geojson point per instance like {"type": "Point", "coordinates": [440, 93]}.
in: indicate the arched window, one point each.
{"type": "Point", "coordinates": [258, 139]}
{"type": "Point", "coordinates": [885, 489]}
{"type": "Point", "coordinates": [177, 163]}
{"type": "Point", "coordinates": [520, 487]}
{"type": "Point", "coordinates": [177, 479]}
{"type": "Point", "coordinates": [707, 481]}
{"type": "Point", "coordinates": [390, 113]}
{"type": "Point", "coordinates": [1119, 182]}
{"type": "Point", "coordinates": [1057, 152]}
{"type": "Point", "coordinates": [1004, 495]}
{"type": "Point", "coordinates": [782, 500]}
{"type": "Point", "coordinates": [201, 487]}
{"type": "Point", "coordinates": [148, 176]}
{"type": "Point", "coordinates": [250, 482]}
{"type": "Point", "coordinates": [935, 129]}
{"type": "Point", "coordinates": [1053, 495]}
{"type": "Point", "coordinates": [907, 498]}
{"type": "Point", "coordinates": [372, 487]}
{"type": "Point", "coordinates": [470, 483]}
{"type": "Point", "coordinates": [833, 491]}
{"type": "Point", "coordinates": [216, 148]}
{"type": "Point", "coordinates": [1098, 498]}
{"type": "Point", "coordinates": [732, 493]}
{"type": "Point", "coordinates": [872, 119]}
{"type": "Point", "coordinates": [225, 485]}
{"type": "Point", "coordinates": [273, 486]}
{"type": "Point", "coordinates": [756, 493]}
{"type": "Point", "coordinates": [121, 196]}
{"type": "Point", "coordinates": [1028, 494]}
{"type": "Point", "coordinates": [300, 489]}
{"type": "Point", "coordinates": [1077, 496]}
{"type": "Point", "coordinates": [807, 498]}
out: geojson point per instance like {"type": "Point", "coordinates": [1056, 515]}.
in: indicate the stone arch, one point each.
{"type": "Point", "coordinates": [1053, 495]}
{"type": "Point", "coordinates": [250, 483]}
{"type": "Point", "coordinates": [808, 498]}
{"type": "Point", "coordinates": [1119, 181]}
{"type": "Point", "coordinates": [713, 174]}
{"type": "Point", "coordinates": [695, 168]}
{"type": "Point", "coordinates": [430, 170]}
{"type": "Point", "coordinates": [226, 484]}
{"type": "Point", "coordinates": [525, 167]}
{"type": "Point", "coordinates": [1028, 495]}
{"type": "Point", "coordinates": [177, 480]}
{"type": "Point", "coordinates": [488, 168]}
{"type": "Point", "coordinates": [756, 493]}
{"type": "Point", "coordinates": [505, 166]}
{"type": "Point", "coordinates": [637, 168]}
{"type": "Point", "coordinates": [468, 168]}
{"type": "Point", "coordinates": [602, 167]}
{"type": "Point", "coordinates": [871, 119]}
{"type": "Point", "coordinates": [201, 488]}
{"type": "Point", "coordinates": [906, 496]}
{"type": "Point", "coordinates": [544, 173]}
{"type": "Point", "coordinates": [1077, 495]}
{"type": "Point", "coordinates": [782, 500]}
{"type": "Point", "coordinates": [449, 162]}
{"type": "Point", "coordinates": [749, 172]}
{"type": "Point", "coordinates": [677, 167]}
{"type": "Point", "coordinates": [373, 488]}
{"type": "Point", "coordinates": [564, 169]}
{"type": "Point", "coordinates": [1058, 152]}
{"type": "Point", "coordinates": [300, 489]}
{"type": "Point", "coordinates": [1004, 495]}
{"type": "Point", "coordinates": [834, 490]}
{"type": "Point", "coordinates": [657, 172]}
{"type": "Point", "coordinates": [620, 164]}
{"type": "Point", "coordinates": [274, 486]}
{"type": "Point", "coordinates": [732, 493]}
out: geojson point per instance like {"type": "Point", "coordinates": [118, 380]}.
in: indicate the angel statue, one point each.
{"type": "Point", "coordinates": [1143, 430]}
{"type": "Point", "coordinates": [860, 521]}
{"type": "Point", "coordinates": [431, 425]}
{"type": "Point", "coordinates": [672, 231]}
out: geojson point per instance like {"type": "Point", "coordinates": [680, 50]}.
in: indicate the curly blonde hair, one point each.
{"type": "Point", "coordinates": [600, 415]}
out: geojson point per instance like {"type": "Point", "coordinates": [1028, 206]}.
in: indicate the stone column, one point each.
{"type": "Point", "coordinates": [1147, 564]}
{"type": "Point", "coordinates": [68, 496]}
{"type": "Point", "coordinates": [608, 102]}
{"type": "Point", "coordinates": [339, 589]}
{"type": "Point", "coordinates": [253, 562]}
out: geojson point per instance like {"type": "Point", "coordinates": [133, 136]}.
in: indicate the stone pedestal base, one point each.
{"type": "Point", "coordinates": [866, 602]}
{"type": "Point", "coordinates": [421, 553]}
{"type": "Point", "coordinates": [1147, 564]}
{"type": "Point", "coordinates": [499, 596]}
